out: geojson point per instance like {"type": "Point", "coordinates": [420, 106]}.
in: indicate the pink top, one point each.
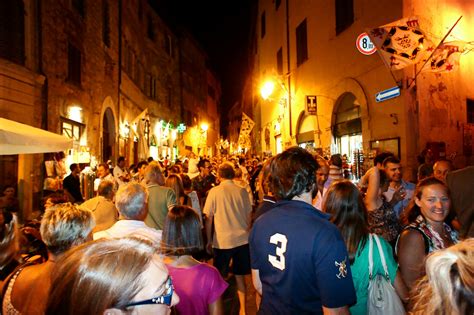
{"type": "Point", "coordinates": [197, 287]}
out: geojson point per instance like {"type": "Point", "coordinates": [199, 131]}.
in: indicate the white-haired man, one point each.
{"type": "Point", "coordinates": [103, 207]}
{"type": "Point", "coordinates": [228, 209]}
{"type": "Point", "coordinates": [160, 198]}
{"type": "Point", "coordinates": [131, 202]}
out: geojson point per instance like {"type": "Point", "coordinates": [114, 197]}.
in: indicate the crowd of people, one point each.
{"type": "Point", "coordinates": [168, 236]}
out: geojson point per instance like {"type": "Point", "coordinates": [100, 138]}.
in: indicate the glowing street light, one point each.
{"type": "Point", "coordinates": [267, 89]}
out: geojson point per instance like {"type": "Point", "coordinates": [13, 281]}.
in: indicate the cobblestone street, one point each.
{"type": "Point", "coordinates": [231, 302]}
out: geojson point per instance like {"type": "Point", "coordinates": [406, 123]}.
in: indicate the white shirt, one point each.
{"type": "Point", "coordinates": [117, 173]}
{"type": "Point", "coordinates": [99, 180]}
{"type": "Point", "coordinates": [318, 200]}
{"type": "Point", "coordinates": [230, 206]}
{"type": "Point", "coordinates": [135, 228]}
{"type": "Point", "coordinates": [195, 204]}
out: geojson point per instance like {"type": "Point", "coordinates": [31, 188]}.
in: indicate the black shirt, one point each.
{"type": "Point", "coordinates": [73, 186]}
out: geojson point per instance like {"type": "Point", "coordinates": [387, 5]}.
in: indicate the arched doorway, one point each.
{"type": "Point", "coordinates": [307, 128]}
{"type": "Point", "coordinates": [108, 135]}
{"type": "Point", "coordinates": [347, 126]}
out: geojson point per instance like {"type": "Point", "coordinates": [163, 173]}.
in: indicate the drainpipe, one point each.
{"type": "Point", "coordinates": [44, 89]}
{"type": "Point", "coordinates": [180, 71]}
{"type": "Point", "coordinates": [288, 63]}
{"type": "Point", "coordinates": [119, 70]}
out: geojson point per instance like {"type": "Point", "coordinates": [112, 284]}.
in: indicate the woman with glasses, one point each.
{"type": "Point", "coordinates": [112, 276]}
{"type": "Point", "coordinates": [199, 285]}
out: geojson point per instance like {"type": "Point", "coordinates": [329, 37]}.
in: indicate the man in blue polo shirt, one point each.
{"type": "Point", "coordinates": [299, 260]}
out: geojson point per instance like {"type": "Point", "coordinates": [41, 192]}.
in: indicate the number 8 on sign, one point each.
{"type": "Point", "coordinates": [365, 45]}
{"type": "Point", "coordinates": [278, 261]}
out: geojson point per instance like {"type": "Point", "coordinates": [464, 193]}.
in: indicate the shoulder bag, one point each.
{"type": "Point", "coordinates": [382, 299]}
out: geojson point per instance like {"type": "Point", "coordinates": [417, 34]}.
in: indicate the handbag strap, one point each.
{"type": "Point", "coordinates": [371, 253]}
{"type": "Point", "coordinates": [382, 256]}
{"type": "Point", "coordinates": [371, 261]}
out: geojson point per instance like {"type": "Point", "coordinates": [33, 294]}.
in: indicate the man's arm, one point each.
{"type": "Point", "coordinates": [256, 280]}
{"type": "Point", "coordinates": [208, 210]}
{"type": "Point", "coordinates": [209, 219]}
{"type": "Point", "coordinates": [336, 311]}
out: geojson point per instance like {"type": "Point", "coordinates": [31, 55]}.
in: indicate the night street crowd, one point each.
{"type": "Point", "coordinates": [168, 236]}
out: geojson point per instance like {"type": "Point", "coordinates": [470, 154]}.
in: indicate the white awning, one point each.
{"type": "Point", "coordinates": [17, 138]}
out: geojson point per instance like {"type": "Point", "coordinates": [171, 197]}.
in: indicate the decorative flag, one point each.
{"type": "Point", "coordinates": [245, 129]}
{"type": "Point", "coordinates": [446, 57]}
{"type": "Point", "coordinates": [401, 43]}
{"type": "Point", "coordinates": [247, 124]}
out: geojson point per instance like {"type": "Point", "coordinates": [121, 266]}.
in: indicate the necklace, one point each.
{"type": "Point", "coordinates": [438, 239]}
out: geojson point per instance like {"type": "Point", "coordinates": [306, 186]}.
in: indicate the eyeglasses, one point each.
{"type": "Point", "coordinates": [162, 299]}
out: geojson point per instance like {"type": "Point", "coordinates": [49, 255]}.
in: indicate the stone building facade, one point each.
{"type": "Point", "coordinates": [308, 50]}
{"type": "Point", "coordinates": [111, 75]}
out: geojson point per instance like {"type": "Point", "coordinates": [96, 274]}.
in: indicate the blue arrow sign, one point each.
{"type": "Point", "coordinates": [387, 94]}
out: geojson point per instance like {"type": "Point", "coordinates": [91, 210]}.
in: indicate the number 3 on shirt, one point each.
{"type": "Point", "coordinates": [278, 261]}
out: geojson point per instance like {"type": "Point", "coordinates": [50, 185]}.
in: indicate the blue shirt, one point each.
{"type": "Point", "coordinates": [302, 261]}
{"type": "Point", "coordinates": [402, 204]}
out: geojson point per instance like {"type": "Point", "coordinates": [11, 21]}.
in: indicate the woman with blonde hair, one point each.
{"type": "Point", "coordinates": [112, 276]}
{"type": "Point", "coordinates": [448, 286]}
{"type": "Point", "coordinates": [63, 226]}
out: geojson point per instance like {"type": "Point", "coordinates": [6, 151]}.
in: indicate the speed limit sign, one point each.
{"type": "Point", "coordinates": [365, 45]}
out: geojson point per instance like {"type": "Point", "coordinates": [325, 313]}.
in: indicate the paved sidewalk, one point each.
{"type": "Point", "coordinates": [231, 302]}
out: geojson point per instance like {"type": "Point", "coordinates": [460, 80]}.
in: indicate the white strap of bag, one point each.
{"type": "Point", "coordinates": [382, 257]}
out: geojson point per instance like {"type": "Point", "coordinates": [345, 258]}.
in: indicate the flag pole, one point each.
{"type": "Point", "coordinates": [431, 55]}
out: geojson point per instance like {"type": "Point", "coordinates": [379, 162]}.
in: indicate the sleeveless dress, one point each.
{"type": "Point", "coordinates": [433, 240]}
{"type": "Point", "coordinates": [383, 221]}
{"type": "Point", "coordinates": [7, 306]}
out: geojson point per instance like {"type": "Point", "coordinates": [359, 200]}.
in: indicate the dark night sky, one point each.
{"type": "Point", "coordinates": [222, 27]}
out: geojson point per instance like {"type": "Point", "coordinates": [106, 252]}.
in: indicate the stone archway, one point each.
{"type": "Point", "coordinates": [306, 128]}
{"type": "Point", "coordinates": [108, 130]}
{"type": "Point", "coordinates": [350, 85]}
{"type": "Point", "coordinates": [108, 135]}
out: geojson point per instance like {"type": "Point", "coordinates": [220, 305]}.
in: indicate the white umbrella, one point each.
{"type": "Point", "coordinates": [17, 138]}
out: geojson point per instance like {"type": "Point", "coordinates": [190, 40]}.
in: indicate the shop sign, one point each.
{"type": "Point", "coordinates": [181, 127]}
{"type": "Point", "coordinates": [311, 105]}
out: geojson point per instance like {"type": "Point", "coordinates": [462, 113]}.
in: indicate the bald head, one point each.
{"type": "Point", "coordinates": [441, 169]}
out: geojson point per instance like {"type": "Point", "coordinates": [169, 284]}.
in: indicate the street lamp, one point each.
{"type": "Point", "coordinates": [267, 89]}
{"type": "Point", "coordinates": [203, 138]}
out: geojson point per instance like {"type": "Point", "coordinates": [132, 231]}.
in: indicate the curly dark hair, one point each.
{"type": "Point", "coordinates": [293, 172]}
